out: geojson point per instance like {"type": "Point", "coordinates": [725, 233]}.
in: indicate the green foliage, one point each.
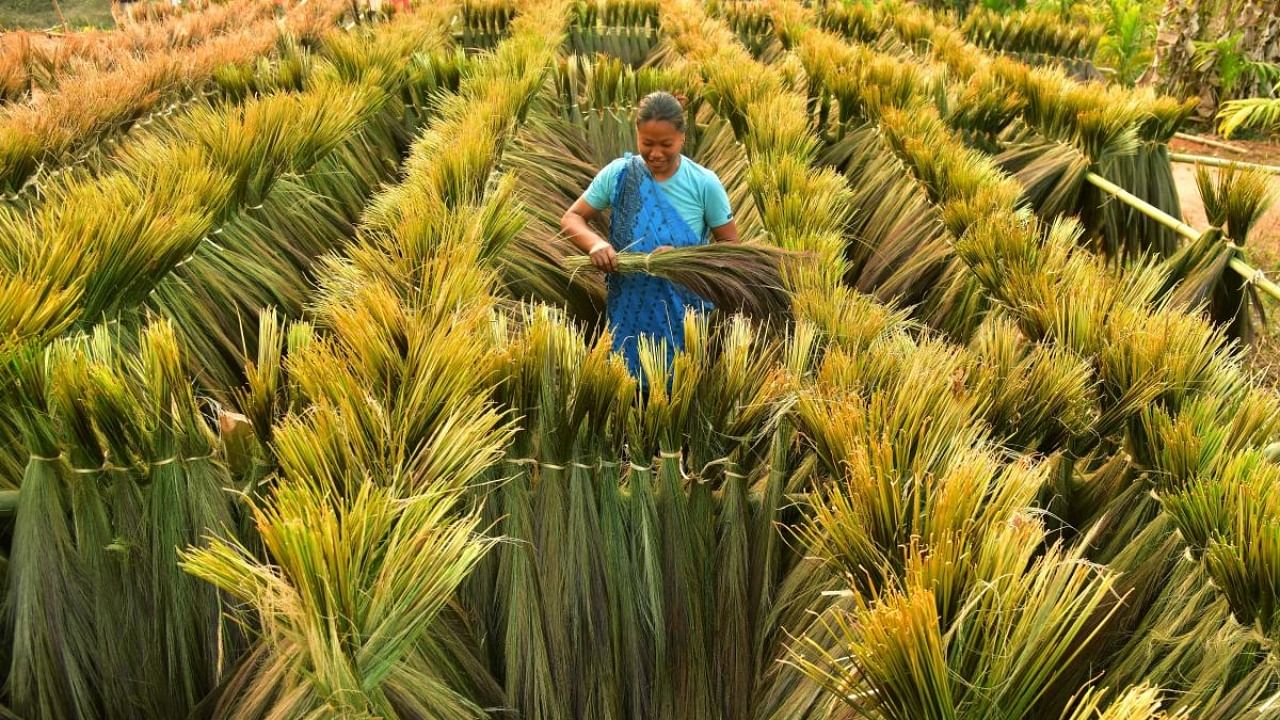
{"type": "Point", "coordinates": [1062, 8]}
{"type": "Point", "coordinates": [1128, 40]}
{"type": "Point", "coordinates": [1226, 61]}
{"type": "Point", "coordinates": [1262, 114]}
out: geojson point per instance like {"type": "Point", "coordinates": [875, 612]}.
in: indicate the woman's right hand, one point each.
{"type": "Point", "coordinates": [603, 256]}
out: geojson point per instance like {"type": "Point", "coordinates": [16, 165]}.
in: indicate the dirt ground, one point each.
{"type": "Point", "coordinates": [1263, 246]}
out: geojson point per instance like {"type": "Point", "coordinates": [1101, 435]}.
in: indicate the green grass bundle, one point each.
{"type": "Point", "coordinates": [737, 277]}
{"type": "Point", "coordinates": [1235, 198]}
{"type": "Point", "coordinates": [1032, 32]}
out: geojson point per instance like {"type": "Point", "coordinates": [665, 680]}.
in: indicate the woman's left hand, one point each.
{"type": "Point", "coordinates": [661, 249]}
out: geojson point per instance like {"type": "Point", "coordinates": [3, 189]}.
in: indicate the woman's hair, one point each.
{"type": "Point", "coordinates": [663, 107]}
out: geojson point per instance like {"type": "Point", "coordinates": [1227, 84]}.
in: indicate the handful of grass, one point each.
{"type": "Point", "coordinates": [736, 277]}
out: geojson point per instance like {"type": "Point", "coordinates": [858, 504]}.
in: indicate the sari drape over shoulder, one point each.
{"type": "Point", "coordinates": [642, 305]}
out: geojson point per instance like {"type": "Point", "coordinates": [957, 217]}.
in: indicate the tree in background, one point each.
{"type": "Point", "coordinates": [1125, 47]}
{"type": "Point", "coordinates": [1217, 50]}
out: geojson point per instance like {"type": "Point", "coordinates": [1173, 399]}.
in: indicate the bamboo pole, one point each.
{"type": "Point", "coordinates": [61, 18]}
{"type": "Point", "coordinates": [1144, 207]}
{"type": "Point", "coordinates": [1211, 143]}
{"type": "Point", "coordinates": [1249, 273]}
{"type": "Point", "coordinates": [1257, 277]}
{"type": "Point", "coordinates": [1219, 162]}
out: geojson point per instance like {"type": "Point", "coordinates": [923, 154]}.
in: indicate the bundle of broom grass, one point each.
{"type": "Point", "coordinates": [742, 278]}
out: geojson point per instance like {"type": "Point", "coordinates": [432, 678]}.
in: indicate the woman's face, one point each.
{"type": "Point", "coordinates": [659, 143]}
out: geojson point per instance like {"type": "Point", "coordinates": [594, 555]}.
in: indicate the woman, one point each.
{"type": "Point", "coordinates": [659, 199]}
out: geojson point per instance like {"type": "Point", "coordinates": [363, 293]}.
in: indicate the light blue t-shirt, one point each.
{"type": "Point", "coordinates": [694, 191]}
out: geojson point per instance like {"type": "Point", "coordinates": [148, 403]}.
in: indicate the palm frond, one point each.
{"type": "Point", "coordinates": [1248, 113]}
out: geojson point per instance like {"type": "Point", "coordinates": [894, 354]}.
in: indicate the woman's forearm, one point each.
{"type": "Point", "coordinates": [580, 234]}
{"type": "Point", "coordinates": [574, 224]}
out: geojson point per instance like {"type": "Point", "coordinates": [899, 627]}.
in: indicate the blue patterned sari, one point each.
{"type": "Point", "coordinates": [643, 305]}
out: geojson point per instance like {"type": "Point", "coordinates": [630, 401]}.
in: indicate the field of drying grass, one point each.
{"type": "Point", "coordinates": [306, 411]}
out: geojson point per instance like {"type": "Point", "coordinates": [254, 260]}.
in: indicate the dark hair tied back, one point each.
{"type": "Point", "coordinates": [661, 106]}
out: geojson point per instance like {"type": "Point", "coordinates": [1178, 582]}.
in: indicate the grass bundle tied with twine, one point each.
{"type": "Point", "coordinates": [737, 277]}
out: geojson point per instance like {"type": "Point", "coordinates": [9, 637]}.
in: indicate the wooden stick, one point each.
{"type": "Point", "coordinates": [1219, 162]}
{"type": "Point", "coordinates": [1249, 273]}
{"type": "Point", "coordinates": [61, 17]}
{"type": "Point", "coordinates": [1211, 143]}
